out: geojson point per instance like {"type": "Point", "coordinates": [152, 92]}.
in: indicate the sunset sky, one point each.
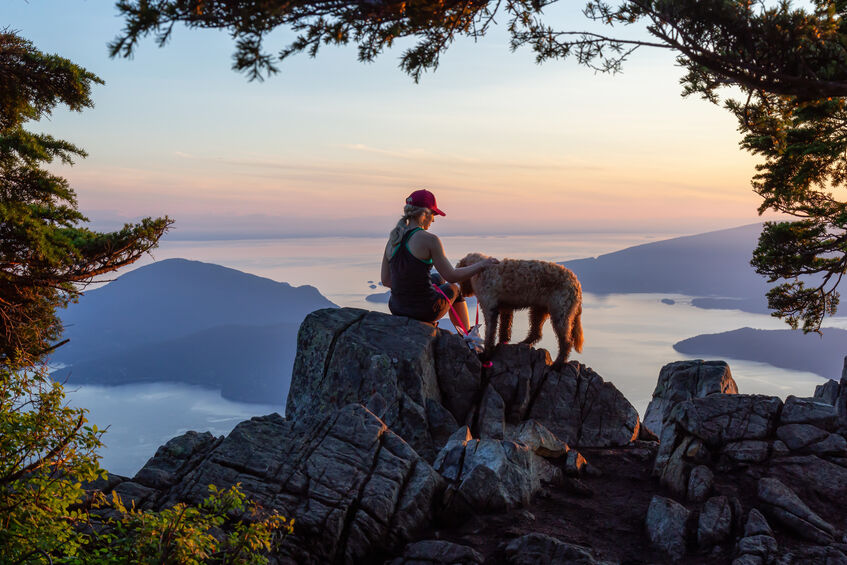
{"type": "Point", "coordinates": [332, 146]}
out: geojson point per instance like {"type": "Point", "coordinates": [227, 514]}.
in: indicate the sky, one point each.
{"type": "Point", "coordinates": [331, 146]}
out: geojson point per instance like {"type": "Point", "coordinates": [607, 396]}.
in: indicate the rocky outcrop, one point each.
{"type": "Point", "coordinates": [684, 380]}
{"type": "Point", "coordinates": [355, 488]}
{"type": "Point", "coordinates": [400, 448]}
{"type": "Point", "coordinates": [427, 381]}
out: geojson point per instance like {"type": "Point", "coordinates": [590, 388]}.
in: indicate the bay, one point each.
{"type": "Point", "coordinates": [628, 337]}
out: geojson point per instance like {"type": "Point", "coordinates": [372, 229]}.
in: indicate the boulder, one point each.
{"type": "Point", "coordinates": [798, 436]}
{"type": "Point", "coordinates": [700, 482]}
{"type": "Point", "coordinates": [715, 522]}
{"type": "Point", "coordinates": [746, 451]}
{"type": "Point", "coordinates": [581, 409]}
{"type": "Point", "coordinates": [541, 549]}
{"type": "Point", "coordinates": [721, 419]}
{"type": "Point", "coordinates": [684, 380]}
{"type": "Point", "coordinates": [488, 475]}
{"type": "Point", "coordinates": [809, 411]}
{"type": "Point", "coordinates": [813, 477]}
{"type": "Point", "coordinates": [175, 459]}
{"type": "Point", "coordinates": [355, 488]}
{"type": "Point", "coordinates": [757, 524]}
{"type": "Point", "coordinates": [345, 355]}
{"type": "Point", "coordinates": [539, 439]}
{"type": "Point", "coordinates": [780, 502]}
{"type": "Point", "coordinates": [827, 392]}
{"type": "Point", "coordinates": [666, 526]}
{"type": "Point", "coordinates": [438, 552]}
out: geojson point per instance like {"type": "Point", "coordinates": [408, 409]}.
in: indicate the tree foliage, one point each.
{"type": "Point", "coordinates": [46, 251]}
{"type": "Point", "coordinates": [184, 534]}
{"type": "Point", "coordinates": [788, 63]}
{"type": "Point", "coordinates": [47, 452]}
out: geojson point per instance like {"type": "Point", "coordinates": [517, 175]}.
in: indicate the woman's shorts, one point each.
{"type": "Point", "coordinates": [434, 309]}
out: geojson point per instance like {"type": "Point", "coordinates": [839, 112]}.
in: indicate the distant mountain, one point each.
{"type": "Point", "coordinates": [714, 264]}
{"type": "Point", "coordinates": [191, 322]}
{"type": "Point", "coordinates": [246, 363]}
{"type": "Point", "coordinates": [789, 349]}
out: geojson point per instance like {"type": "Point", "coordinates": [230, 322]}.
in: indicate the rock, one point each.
{"type": "Point", "coordinates": [760, 545]}
{"type": "Point", "coordinates": [746, 451]}
{"type": "Point", "coordinates": [540, 549]}
{"type": "Point", "coordinates": [345, 355]}
{"type": "Point", "coordinates": [779, 449]}
{"type": "Point", "coordinates": [489, 475]}
{"type": "Point", "coordinates": [583, 410]}
{"type": "Point", "coordinates": [832, 444]}
{"type": "Point", "coordinates": [540, 440]}
{"type": "Point", "coordinates": [684, 380]}
{"type": "Point", "coordinates": [809, 411]}
{"type": "Point", "coordinates": [575, 463]}
{"type": "Point", "coordinates": [813, 477]}
{"type": "Point", "coordinates": [175, 458]}
{"type": "Point", "coordinates": [813, 556]}
{"type": "Point", "coordinates": [674, 476]}
{"type": "Point", "coordinates": [492, 415]}
{"type": "Point", "coordinates": [700, 483]}
{"type": "Point", "coordinates": [459, 376]}
{"type": "Point", "coordinates": [438, 552]}
{"type": "Point", "coordinates": [827, 392]}
{"type": "Point", "coordinates": [798, 436]}
{"type": "Point", "coordinates": [784, 506]}
{"type": "Point", "coordinates": [666, 526]}
{"type": "Point", "coordinates": [721, 419]}
{"type": "Point", "coordinates": [715, 522]}
{"type": "Point", "coordinates": [757, 524]}
{"type": "Point", "coordinates": [514, 370]}
{"type": "Point", "coordinates": [355, 488]}
{"type": "Point", "coordinates": [442, 424]}
{"type": "Point", "coordinates": [748, 560]}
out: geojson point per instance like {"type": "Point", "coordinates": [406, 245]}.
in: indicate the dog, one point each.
{"type": "Point", "coordinates": [546, 288]}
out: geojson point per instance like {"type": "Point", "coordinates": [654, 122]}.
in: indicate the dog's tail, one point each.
{"type": "Point", "coordinates": [576, 331]}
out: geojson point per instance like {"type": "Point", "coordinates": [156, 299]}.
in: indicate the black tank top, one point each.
{"type": "Point", "coordinates": [411, 286]}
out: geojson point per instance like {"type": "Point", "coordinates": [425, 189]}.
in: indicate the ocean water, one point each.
{"type": "Point", "coordinates": [628, 337]}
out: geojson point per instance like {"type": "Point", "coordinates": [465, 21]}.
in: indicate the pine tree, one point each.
{"type": "Point", "coordinates": [46, 252]}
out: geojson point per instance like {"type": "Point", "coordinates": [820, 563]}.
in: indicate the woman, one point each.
{"type": "Point", "coordinates": [410, 254]}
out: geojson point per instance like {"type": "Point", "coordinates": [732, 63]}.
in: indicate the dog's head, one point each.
{"type": "Point", "coordinates": [469, 259]}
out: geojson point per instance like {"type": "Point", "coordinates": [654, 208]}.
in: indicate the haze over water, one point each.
{"type": "Point", "coordinates": [628, 337]}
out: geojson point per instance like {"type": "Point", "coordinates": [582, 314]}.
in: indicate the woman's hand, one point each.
{"type": "Point", "coordinates": [487, 262]}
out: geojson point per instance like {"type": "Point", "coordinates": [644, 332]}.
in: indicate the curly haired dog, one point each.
{"type": "Point", "coordinates": [547, 289]}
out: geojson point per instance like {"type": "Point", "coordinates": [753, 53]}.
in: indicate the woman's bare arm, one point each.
{"type": "Point", "coordinates": [447, 270]}
{"type": "Point", "coordinates": [385, 270]}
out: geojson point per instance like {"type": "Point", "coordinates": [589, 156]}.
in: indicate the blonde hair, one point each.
{"type": "Point", "coordinates": [409, 212]}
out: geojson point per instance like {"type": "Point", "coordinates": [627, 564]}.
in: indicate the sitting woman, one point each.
{"type": "Point", "coordinates": [410, 254]}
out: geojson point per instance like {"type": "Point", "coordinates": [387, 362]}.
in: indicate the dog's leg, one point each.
{"type": "Point", "coordinates": [537, 317]}
{"type": "Point", "coordinates": [562, 319]}
{"type": "Point", "coordinates": [506, 315]}
{"type": "Point", "coordinates": [490, 313]}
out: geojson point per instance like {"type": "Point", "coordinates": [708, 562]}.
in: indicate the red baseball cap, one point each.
{"type": "Point", "coordinates": [424, 199]}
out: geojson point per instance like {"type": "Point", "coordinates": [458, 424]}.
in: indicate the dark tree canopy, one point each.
{"type": "Point", "coordinates": [46, 252]}
{"type": "Point", "coordinates": [788, 63]}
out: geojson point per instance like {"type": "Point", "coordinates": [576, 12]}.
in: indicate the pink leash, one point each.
{"type": "Point", "coordinates": [456, 314]}
{"type": "Point", "coordinates": [487, 364]}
